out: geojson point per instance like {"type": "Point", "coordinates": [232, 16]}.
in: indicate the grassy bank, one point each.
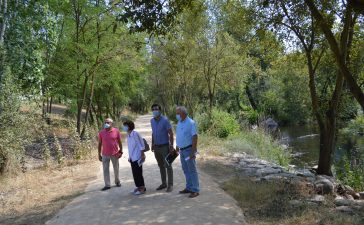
{"type": "Point", "coordinates": [255, 143]}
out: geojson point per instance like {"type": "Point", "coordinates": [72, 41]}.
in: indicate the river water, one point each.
{"type": "Point", "coordinates": [304, 144]}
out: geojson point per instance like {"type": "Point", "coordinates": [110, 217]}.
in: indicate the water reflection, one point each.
{"type": "Point", "coordinates": [304, 143]}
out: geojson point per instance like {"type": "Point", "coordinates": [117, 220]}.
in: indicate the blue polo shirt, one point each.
{"type": "Point", "coordinates": [185, 130]}
{"type": "Point", "coordinates": [160, 130]}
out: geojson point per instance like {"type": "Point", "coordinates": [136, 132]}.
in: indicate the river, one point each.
{"type": "Point", "coordinates": [304, 144]}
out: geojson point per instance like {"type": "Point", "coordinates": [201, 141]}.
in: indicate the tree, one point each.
{"type": "Point", "coordinates": [293, 16]}
{"type": "Point", "coordinates": [340, 48]}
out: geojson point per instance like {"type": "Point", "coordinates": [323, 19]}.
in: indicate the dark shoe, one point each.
{"type": "Point", "coordinates": [169, 189]}
{"type": "Point", "coordinates": [193, 194]}
{"type": "Point", "coordinates": [118, 184]}
{"type": "Point", "coordinates": [162, 186]}
{"type": "Point", "coordinates": [185, 191]}
{"type": "Point", "coordinates": [105, 188]}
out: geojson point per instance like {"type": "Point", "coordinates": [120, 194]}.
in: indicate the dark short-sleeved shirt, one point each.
{"type": "Point", "coordinates": [160, 130]}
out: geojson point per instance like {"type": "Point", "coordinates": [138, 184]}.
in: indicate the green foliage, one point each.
{"type": "Point", "coordinates": [221, 124]}
{"type": "Point", "coordinates": [10, 142]}
{"type": "Point", "coordinates": [348, 174]}
{"type": "Point", "coordinates": [354, 127]}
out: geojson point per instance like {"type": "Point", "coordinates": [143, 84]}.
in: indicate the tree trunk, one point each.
{"type": "Point", "coordinates": [250, 97]}
{"type": "Point", "coordinates": [50, 105]}
{"type": "Point", "coordinates": [80, 103]}
{"type": "Point", "coordinates": [4, 12]}
{"type": "Point", "coordinates": [327, 145]}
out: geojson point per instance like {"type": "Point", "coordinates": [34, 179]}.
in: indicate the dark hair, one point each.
{"type": "Point", "coordinates": [155, 104]}
{"type": "Point", "coordinates": [130, 124]}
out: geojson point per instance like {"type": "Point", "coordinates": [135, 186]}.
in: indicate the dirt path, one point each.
{"type": "Point", "coordinates": [118, 206]}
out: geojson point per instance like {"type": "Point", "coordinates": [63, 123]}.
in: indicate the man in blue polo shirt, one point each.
{"type": "Point", "coordinates": [162, 144]}
{"type": "Point", "coordinates": [186, 140]}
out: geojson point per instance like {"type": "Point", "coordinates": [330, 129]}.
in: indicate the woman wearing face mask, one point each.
{"type": "Point", "coordinates": [136, 156]}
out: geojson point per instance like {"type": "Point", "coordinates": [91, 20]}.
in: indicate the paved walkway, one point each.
{"type": "Point", "coordinates": [118, 206]}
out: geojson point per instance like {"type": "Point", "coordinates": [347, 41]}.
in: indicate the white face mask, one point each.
{"type": "Point", "coordinates": [107, 125]}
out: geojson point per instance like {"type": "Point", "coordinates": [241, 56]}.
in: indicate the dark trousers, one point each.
{"type": "Point", "coordinates": [160, 154]}
{"type": "Point", "coordinates": [137, 174]}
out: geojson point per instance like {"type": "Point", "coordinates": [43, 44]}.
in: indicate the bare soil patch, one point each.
{"type": "Point", "coordinates": [37, 195]}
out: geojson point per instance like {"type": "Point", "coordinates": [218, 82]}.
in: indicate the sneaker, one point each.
{"type": "Point", "coordinates": [105, 188]}
{"type": "Point", "coordinates": [169, 189]}
{"type": "Point", "coordinates": [162, 186]}
{"type": "Point", "coordinates": [138, 192]}
{"type": "Point", "coordinates": [118, 184]}
{"type": "Point", "coordinates": [134, 190]}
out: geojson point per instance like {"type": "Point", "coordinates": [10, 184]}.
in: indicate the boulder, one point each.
{"type": "Point", "coordinates": [343, 202]}
{"type": "Point", "coordinates": [359, 203]}
{"type": "Point", "coordinates": [356, 196]}
{"type": "Point", "coordinates": [344, 209]}
{"type": "Point", "coordinates": [323, 185]}
{"type": "Point", "coordinates": [270, 125]}
{"type": "Point", "coordinates": [317, 199]}
{"type": "Point", "coordinates": [304, 173]}
{"type": "Point", "coordinates": [267, 171]}
{"type": "Point", "coordinates": [361, 195]}
{"type": "Point", "coordinates": [347, 196]}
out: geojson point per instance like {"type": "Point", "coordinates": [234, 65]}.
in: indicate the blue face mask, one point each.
{"type": "Point", "coordinates": [178, 117]}
{"type": "Point", "coordinates": [125, 128]}
{"type": "Point", "coordinates": [156, 113]}
{"type": "Point", "coordinates": [107, 125]}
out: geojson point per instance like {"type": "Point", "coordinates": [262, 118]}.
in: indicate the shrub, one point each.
{"type": "Point", "coordinates": [348, 174]}
{"type": "Point", "coordinates": [221, 124]}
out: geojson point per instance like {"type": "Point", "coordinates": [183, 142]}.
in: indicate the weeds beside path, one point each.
{"type": "Point", "coordinates": [34, 197]}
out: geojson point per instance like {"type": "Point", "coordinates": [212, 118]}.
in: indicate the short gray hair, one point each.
{"type": "Point", "coordinates": [109, 120]}
{"type": "Point", "coordinates": [182, 109]}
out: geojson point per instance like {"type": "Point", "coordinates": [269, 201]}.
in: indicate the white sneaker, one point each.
{"type": "Point", "coordinates": [139, 192]}
{"type": "Point", "coordinates": [134, 190]}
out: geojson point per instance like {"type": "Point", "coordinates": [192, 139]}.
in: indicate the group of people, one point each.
{"type": "Point", "coordinates": [110, 149]}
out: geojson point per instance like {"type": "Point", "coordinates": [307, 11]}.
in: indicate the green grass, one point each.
{"type": "Point", "coordinates": [255, 143]}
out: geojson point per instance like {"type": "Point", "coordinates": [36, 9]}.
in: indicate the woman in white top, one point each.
{"type": "Point", "coordinates": [136, 156]}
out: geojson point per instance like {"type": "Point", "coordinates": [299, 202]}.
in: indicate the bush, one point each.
{"type": "Point", "coordinates": [11, 146]}
{"type": "Point", "coordinates": [348, 174]}
{"type": "Point", "coordinates": [221, 124]}
{"type": "Point", "coordinates": [355, 127]}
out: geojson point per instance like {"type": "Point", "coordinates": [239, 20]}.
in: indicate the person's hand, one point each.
{"type": "Point", "coordinates": [143, 156]}
{"type": "Point", "coordinates": [100, 158]}
{"type": "Point", "coordinates": [193, 154]}
{"type": "Point", "coordinates": [152, 148]}
{"type": "Point", "coordinates": [121, 153]}
{"type": "Point", "coordinates": [171, 149]}
{"type": "Point", "coordinates": [177, 150]}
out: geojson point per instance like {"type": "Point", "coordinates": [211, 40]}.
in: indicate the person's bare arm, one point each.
{"type": "Point", "coordinates": [194, 147]}
{"type": "Point", "coordinates": [171, 140]}
{"type": "Point", "coordinates": [120, 146]}
{"type": "Point", "coordinates": [99, 149]}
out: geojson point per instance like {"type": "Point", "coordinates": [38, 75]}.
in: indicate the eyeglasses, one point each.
{"type": "Point", "coordinates": [107, 122]}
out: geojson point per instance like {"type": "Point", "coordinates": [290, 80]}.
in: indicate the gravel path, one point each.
{"type": "Point", "coordinates": [118, 206]}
